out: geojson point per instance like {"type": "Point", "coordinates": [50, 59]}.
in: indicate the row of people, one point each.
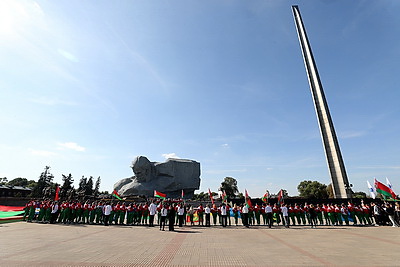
{"type": "Point", "coordinates": [144, 213]}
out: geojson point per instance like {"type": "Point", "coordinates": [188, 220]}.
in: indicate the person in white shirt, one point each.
{"type": "Point", "coordinates": [207, 211]}
{"type": "Point", "coordinates": [285, 215]}
{"type": "Point", "coordinates": [54, 212]}
{"type": "Point", "coordinates": [268, 212]}
{"type": "Point", "coordinates": [245, 215]}
{"type": "Point", "coordinates": [152, 212]}
{"type": "Point", "coordinates": [223, 215]}
{"type": "Point", "coordinates": [164, 214]}
{"type": "Point", "coordinates": [181, 212]}
{"type": "Point", "coordinates": [106, 212]}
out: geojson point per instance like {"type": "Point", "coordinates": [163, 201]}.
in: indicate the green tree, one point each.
{"type": "Point", "coordinates": [97, 187]}
{"type": "Point", "coordinates": [18, 182]}
{"type": "Point", "coordinates": [45, 180]}
{"type": "Point", "coordinates": [201, 196]}
{"type": "Point", "coordinates": [3, 181]}
{"type": "Point", "coordinates": [67, 185]}
{"type": "Point", "coordinates": [312, 189]}
{"type": "Point", "coordinates": [359, 194]}
{"type": "Point", "coordinates": [229, 185]}
{"type": "Point", "coordinates": [82, 184]}
{"type": "Point", "coordinates": [89, 187]}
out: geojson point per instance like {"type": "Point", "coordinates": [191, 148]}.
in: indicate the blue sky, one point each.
{"type": "Point", "coordinates": [86, 86]}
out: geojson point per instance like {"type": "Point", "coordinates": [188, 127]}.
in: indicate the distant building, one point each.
{"type": "Point", "coordinates": [14, 191]}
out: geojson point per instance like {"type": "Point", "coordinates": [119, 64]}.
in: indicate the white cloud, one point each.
{"type": "Point", "coordinates": [170, 156]}
{"type": "Point", "coordinates": [225, 145]}
{"type": "Point", "coordinates": [68, 55]}
{"type": "Point", "coordinates": [351, 134]}
{"type": "Point", "coordinates": [43, 153]}
{"type": "Point", "coordinates": [71, 145]}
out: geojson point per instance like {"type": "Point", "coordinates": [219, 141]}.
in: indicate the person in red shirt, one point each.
{"type": "Point", "coordinates": [200, 213]}
{"type": "Point", "coordinates": [276, 212]}
{"type": "Point", "coordinates": [326, 216]}
{"type": "Point", "coordinates": [85, 217]}
{"type": "Point", "coordinates": [122, 213]}
{"type": "Point", "coordinates": [350, 207]}
{"type": "Point", "coordinates": [257, 213]}
{"type": "Point", "coordinates": [78, 212]}
{"type": "Point", "coordinates": [292, 214]}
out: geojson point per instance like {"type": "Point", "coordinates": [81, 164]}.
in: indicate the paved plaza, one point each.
{"type": "Point", "coordinates": [32, 244]}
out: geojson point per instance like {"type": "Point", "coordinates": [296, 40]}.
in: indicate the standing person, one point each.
{"type": "Point", "coordinates": [397, 212]}
{"type": "Point", "coordinates": [181, 213]}
{"type": "Point", "coordinates": [285, 214]}
{"type": "Point", "coordinates": [245, 215]}
{"type": "Point", "coordinates": [319, 214]}
{"type": "Point", "coordinates": [191, 215]}
{"type": "Point", "coordinates": [214, 212]}
{"type": "Point", "coordinates": [390, 212]}
{"type": "Point", "coordinates": [207, 211]}
{"type": "Point", "coordinates": [257, 214]}
{"type": "Point", "coordinates": [54, 212]}
{"type": "Point", "coordinates": [152, 212]}
{"type": "Point", "coordinates": [129, 214]}
{"type": "Point", "coordinates": [268, 212]}
{"type": "Point", "coordinates": [313, 216]}
{"type": "Point", "coordinates": [200, 212]}
{"type": "Point", "coordinates": [85, 217]}
{"type": "Point", "coordinates": [235, 213]}
{"type": "Point", "coordinates": [291, 214]}
{"type": "Point", "coordinates": [345, 213]}
{"type": "Point", "coordinates": [223, 215]}
{"type": "Point", "coordinates": [171, 217]}
{"type": "Point", "coordinates": [276, 212]}
{"type": "Point", "coordinates": [163, 217]}
{"type": "Point", "coordinates": [107, 208]}
{"type": "Point", "coordinates": [26, 210]}
{"type": "Point", "coordinates": [263, 214]}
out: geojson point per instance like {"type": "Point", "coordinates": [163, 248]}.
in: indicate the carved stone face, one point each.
{"type": "Point", "coordinates": [141, 167]}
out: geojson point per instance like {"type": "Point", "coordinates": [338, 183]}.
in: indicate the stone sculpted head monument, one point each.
{"type": "Point", "coordinates": [170, 177]}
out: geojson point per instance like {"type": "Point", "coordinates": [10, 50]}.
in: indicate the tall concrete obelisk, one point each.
{"type": "Point", "coordinates": [340, 183]}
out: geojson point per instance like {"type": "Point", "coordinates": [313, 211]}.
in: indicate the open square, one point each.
{"type": "Point", "coordinates": [32, 244]}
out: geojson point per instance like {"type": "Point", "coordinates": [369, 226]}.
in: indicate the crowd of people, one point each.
{"type": "Point", "coordinates": [176, 212]}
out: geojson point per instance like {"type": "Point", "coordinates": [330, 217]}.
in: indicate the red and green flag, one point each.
{"type": "Point", "coordinates": [248, 200]}
{"type": "Point", "coordinates": [224, 197]}
{"type": "Point", "coordinates": [211, 196]}
{"type": "Point", "coordinates": [159, 195]}
{"type": "Point", "coordinates": [384, 190]}
{"type": "Point", "coordinates": [116, 195]}
{"type": "Point", "coordinates": [265, 197]}
{"type": "Point", "coordinates": [280, 197]}
{"type": "Point", "coordinates": [57, 196]}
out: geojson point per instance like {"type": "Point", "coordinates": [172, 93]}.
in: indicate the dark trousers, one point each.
{"type": "Point", "coordinates": [180, 218]}
{"type": "Point", "coordinates": [171, 223]}
{"type": "Point", "coordinates": [269, 219]}
{"type": "Point", "coordinates": [224, 220]}
{"type": "Point", "coordinates": [245, 219]}
{"type": "Point", "coordinates": [162, 222]}
{"type": "Point", "coordinates": [106, 218]}
{"type": "Point", "coordinates": [208, 220]}
{"type": "Point", "coordinates": [151, 220]}
{"type": "Point", "coordinates": [54, 217]}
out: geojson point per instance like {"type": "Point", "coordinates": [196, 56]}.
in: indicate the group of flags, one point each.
{"type": "Point", "coordinates": [385, 190]}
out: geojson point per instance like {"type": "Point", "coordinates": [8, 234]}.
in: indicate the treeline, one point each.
{"type": "Point", "coordinates": [46, 188]}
